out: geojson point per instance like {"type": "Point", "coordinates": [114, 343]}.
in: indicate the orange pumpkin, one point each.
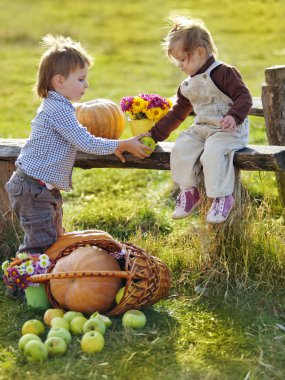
{"type": "Point", "coordinates": [86, 294]}
{"type": "Point", "coordinates": [102, 118]}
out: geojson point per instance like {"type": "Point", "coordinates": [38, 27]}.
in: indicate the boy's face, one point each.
{"type": "Point", "coordinates": [74, 85]}
{"type": "Point", "coordinates": [189, 63]}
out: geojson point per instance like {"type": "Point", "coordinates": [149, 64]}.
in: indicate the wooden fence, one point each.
{"type": "Point", "coordinates": [271, 106]}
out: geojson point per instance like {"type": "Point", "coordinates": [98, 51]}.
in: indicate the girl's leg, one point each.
{"type": "Point", "coordinates": [219, 174]}
{"type": "Point", "coordinates": [185, 165]}
{"type": "Point", "coordinates": [186, 169]}
{"type": "Point", "coordinates": [217, 160]}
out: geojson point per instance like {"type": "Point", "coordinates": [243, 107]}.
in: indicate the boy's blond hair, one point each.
{"type": "Point", "coordinates": [190, 34]}
{"type": "Point", "coordinates": [62, 56]}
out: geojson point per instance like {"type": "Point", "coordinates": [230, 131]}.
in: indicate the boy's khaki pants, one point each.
{"type": "Point", "coordinates": [39, 211]}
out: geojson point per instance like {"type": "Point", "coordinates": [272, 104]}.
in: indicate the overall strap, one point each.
{"type": "Point", "coordinates": [213, 66]}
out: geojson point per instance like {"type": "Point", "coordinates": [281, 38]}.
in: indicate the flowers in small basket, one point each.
{"type": "Point", "coordinates": [18, 270]}
{"type": "Point", "coordinates": [145, 106]}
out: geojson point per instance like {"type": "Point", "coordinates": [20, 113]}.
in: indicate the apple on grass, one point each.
{"type": "Point", "coordinates": [61, 333]}
{"type": "Point", "coordinates": [94, 324]}
{"type": "Point", "coordinates": [35, 351]}
{"type": "Point", "coordinates": [120, 294]}
{"type": "Point", "coordinates": [50, 314]}
{"type": "Point", "coordinates": [33, 326]}
{"type": "Point", "coordinates": [92, 342]}
{"type": "Point", "coordinates": [25, 339]}
{"type": "Point", "coordinates": [60, 322]}
{"type": "Point", "coordinates": [70, 315]}
{"type": "Point", "coordinates": [103, 318]}
{"type": "Point", "coordinates": [134, 319]}
{"type": "Point", "coordinates": [76, 325]}
{"type": "Point", "coordinates": [149, 143]}
{"type": "Point", "coordinates": [56, 346]}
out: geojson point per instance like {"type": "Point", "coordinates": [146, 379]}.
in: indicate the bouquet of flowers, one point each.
{"type": "Point", "coordinates": [145, 106]}
{"type": "Point", "coordinates": [17, 272]}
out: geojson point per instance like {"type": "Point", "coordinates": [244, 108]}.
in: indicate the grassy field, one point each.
{"type": "Point", "coordinates": [235, 331]}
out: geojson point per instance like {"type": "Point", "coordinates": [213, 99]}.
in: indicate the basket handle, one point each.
{"type": "Point", "coordinates": [78, 274]}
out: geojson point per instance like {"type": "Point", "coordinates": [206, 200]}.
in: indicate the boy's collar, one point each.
{"type": "Point", "coordinates": [55, 95]}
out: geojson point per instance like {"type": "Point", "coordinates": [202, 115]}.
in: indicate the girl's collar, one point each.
{"type": "Point", "coordinates": [209, 62]}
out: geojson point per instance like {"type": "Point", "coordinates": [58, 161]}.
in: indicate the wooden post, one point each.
{"type": "Point", "coordinates": [273, 100]}
{"type": "Point", "coordinates": [6, 170]}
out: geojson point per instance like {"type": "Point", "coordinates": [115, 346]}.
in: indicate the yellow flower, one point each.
{"type": "Point", "coordinates": [169, 102]}
{"type": "Point", "coordinates": [138, 104]}
{"type": "Point", "coordinates": [154, 113]}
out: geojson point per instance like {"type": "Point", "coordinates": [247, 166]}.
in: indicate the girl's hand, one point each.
{"type": "Point", "coordinates": [133, 146]}
{"type": "Point", "coordinates": [228, 122]}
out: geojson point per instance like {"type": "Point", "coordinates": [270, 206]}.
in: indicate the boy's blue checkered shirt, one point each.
{"type": "Point", "coordinates": [56, 135]}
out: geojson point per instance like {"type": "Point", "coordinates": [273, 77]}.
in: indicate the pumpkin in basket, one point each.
{"type": "Point", "coordinates": [102, 118]}
{"type": "Point", "coordinates": [85, 294]}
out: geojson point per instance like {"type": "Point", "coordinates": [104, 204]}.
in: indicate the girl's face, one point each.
{"type": "Point", "coordinates": [190, 62]}
{"type": "Point", "coordinates": [74, 85]}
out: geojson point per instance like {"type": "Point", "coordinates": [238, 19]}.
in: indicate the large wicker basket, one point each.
{"type": "Point", "coordinates": [147, 277]}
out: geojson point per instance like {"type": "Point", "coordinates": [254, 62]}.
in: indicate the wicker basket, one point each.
{"type": "Point", "coordinates": [147, 277]}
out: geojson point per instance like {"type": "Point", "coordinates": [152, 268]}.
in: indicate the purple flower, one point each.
{"type": "Point", "coordinates": [126, 103]}
{"type": "Point", "coordinates": [13, 273]}
{"type": "Point", "coordinates": [19, 275]}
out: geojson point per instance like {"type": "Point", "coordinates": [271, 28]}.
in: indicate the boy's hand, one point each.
{"type": "Point", "coordinates": [133, 146]}
{"type": "Point", "coordinates": [228, 122]}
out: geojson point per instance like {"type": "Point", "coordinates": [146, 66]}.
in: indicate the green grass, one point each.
{"type": "Point", "coordinates": [233, 332]}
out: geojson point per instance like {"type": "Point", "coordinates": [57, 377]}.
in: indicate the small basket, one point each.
{"type": "Point", "coordinates": [147, 277]}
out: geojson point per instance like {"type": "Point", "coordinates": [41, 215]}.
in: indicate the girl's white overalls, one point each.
{"type": "Point", "coordinates": [205, 145]}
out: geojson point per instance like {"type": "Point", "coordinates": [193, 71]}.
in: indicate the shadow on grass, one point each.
{"type": "Point", "coordinates": [148, 353]}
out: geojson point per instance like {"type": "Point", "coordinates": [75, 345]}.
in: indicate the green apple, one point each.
{"type": "Point", "coordinates": [35, 351]}
{"type": "Point", "coordinates": [70, 315]}
{"type": "Point", "coordinates": [51, 313]}
{"type": "Point", "coordinates": [120, 294]}
{"type": "Point", "coordinates": [92, 342]}
{"type": "Point", "coordinates": [56, 346]}
{"type": "Point", "coordinates": [61, 333]}
{"type": "Point", "coordinates": [76, 325]}
{"type": "Point", "coordinates": [134, 319]}
{"type": "Point", "coordinates": [25, 339]}
{"type": "Point", "coordinates": [103, 318]}
{"type": "Point", "coordinates": [60, 322]}
{"type": "Point", "coordinates": [94, 324]}
{"type": "Point", "coordinates": [33, 326]}
{"type": "Point", "coordinates": [149, 143]}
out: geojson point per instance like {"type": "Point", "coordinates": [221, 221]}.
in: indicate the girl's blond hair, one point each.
{"type": "Point", "coordinates": [62, 56]}
{"type": "Point", "coordinates": [190, 34]}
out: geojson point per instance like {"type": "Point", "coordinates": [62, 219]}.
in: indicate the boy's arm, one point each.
{"type": "Point", "coordinates": [82, 140]}
{"type": "Point", "coordinates": [162, 129]}
{"type": "Point", "coordinates": [69, 128]}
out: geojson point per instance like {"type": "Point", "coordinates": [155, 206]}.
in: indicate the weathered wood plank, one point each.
{"type": "Point", "coordinates": [254, 157]}
{"type": "Point", "coordinates": [257, 108]}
